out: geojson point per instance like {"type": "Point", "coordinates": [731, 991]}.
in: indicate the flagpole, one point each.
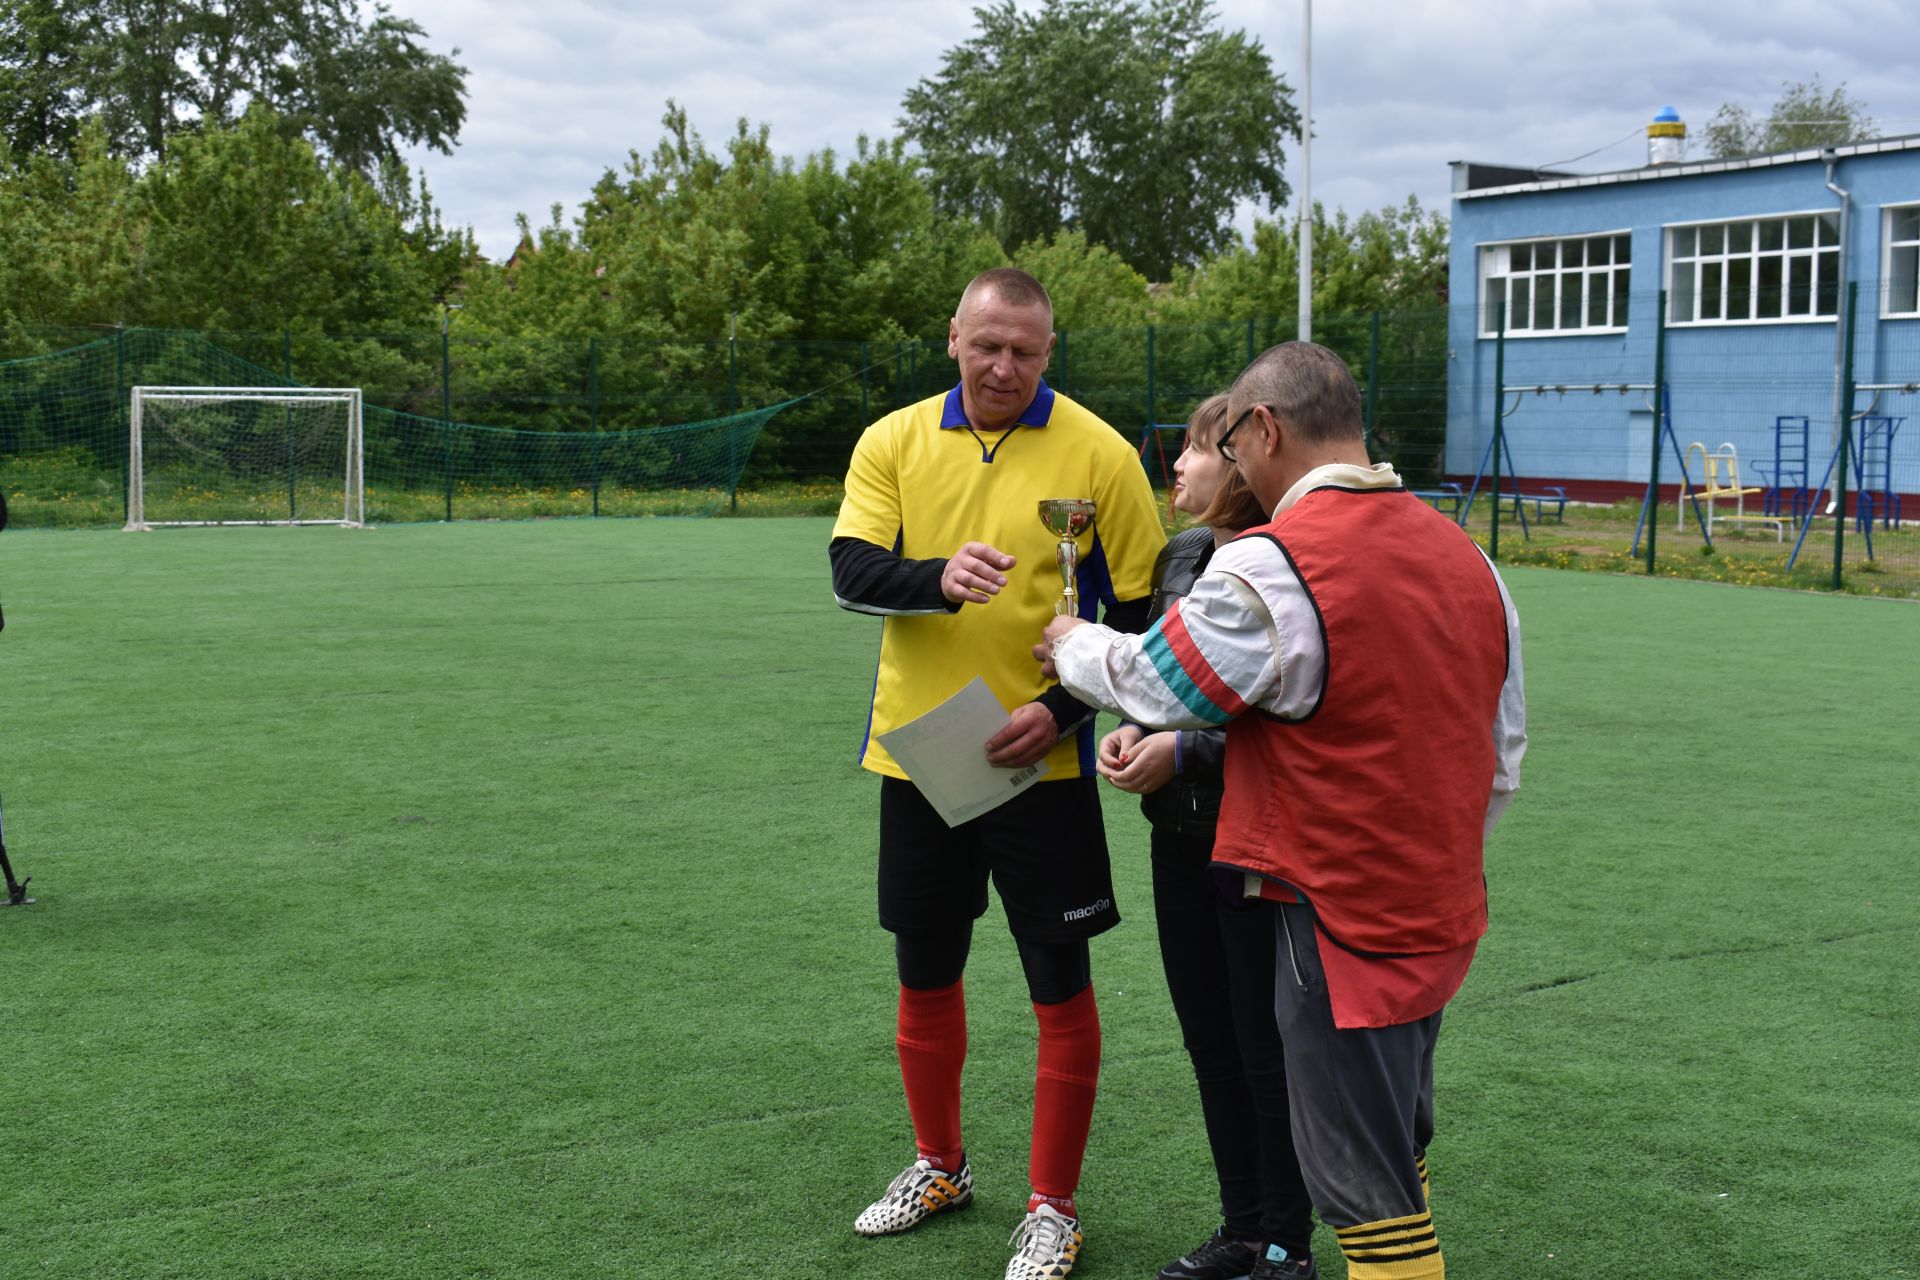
{"type": "Point", "coordinates": [1306, 172]}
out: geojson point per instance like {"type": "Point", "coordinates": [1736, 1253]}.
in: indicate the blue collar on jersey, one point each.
{"type": "Point", "coordinates": [1036, 414]}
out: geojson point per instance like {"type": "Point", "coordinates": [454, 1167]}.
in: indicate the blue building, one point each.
{"type": "Point", "coordinates": [1752, 256]}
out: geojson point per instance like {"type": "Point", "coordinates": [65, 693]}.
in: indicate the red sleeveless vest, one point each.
{"type": "Point", "coordinates": [1372, 805]}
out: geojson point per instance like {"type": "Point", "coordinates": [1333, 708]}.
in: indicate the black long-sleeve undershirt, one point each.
{"type": "Point", "coordinates": [868, 578]}
{"type": "Point", "coordinates": [871, 579]}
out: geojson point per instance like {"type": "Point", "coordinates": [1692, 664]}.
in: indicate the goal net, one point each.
{"type": "Point", "coordinates": [245, 455]}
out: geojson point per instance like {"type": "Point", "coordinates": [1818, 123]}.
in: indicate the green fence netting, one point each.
{"type": "Point", "coordinates": [478, 425]}
{"type": "Point", "coordinates": [65, 431]}
{"type": "Point", "coordinates": [1133, 377]}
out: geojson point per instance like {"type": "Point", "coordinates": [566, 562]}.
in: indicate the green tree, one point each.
{"type": "Point", "coordinates": [689, 246]}
{"type": "Point", "coordinates": [152, 69]}
{"type": "Point", "coordinates": [68, 227]}
{"type": "Point", "coordinates": [1133, 121]}
{"type": "Point", "coordinates": [1389, 265]}
{"type": "Point", "coordinates": [694, 243]}
{"type": "Point", "coordinates": [1804, 117]}
{"type": "Point", "coordinates": [46, 51]}
{"type": "Point", "coordinates": [706, 242]}
{"type": "Point", "coordinates": [361, 90]}
{"type": "Point", "coordinates": [547, 286]}
{"type": "Point", "coordinates": [1393, 259]}
{"type": "Point", "coordinates": [1090, 285]}
{"type": "Point", "coordinates": [239, 228]}
{"type": "Point", "coordinates": [247, 229]}
{"type": "Point", "coordinates": [893, 266]}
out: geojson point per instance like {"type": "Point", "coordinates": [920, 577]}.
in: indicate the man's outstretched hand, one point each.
{"type": "Point", "coordinates": [975, 574]}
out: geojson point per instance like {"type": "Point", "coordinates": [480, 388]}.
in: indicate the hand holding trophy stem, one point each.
{"type": "Point", "coordinates": [1067, 519]}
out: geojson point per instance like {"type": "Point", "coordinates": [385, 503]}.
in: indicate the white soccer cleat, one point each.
{"type": "Point", "coordinates": [916, 1195]}
{"type": "Point", "coordinates": [1046, 1246]}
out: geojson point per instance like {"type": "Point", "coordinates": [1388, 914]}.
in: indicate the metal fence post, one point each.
{"type": "Point", "coordinates": [593, 413]}
{"type": "Point", "coordinates": [733, 407]}
{"type": "Point", "coordinates": [126, 428]}
{"type": "Point", "coordinates": [1150, 418]}
{"type": "Point", "coordinates": [1659, 422]}
{"type": "Point", "coordinates": [446, 413]}
{"type": "Point", "coordinates": [286, 359]}
{"type": "Point", "coordinates": [1499, 419]}
{"type": "Point", "coordinates": [1846, 440]}
{"type": "Point", "coordinates": [1373, 376]}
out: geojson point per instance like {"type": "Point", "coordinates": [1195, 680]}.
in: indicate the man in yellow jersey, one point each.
{"type": "Point", "coordinates": [940, 534]}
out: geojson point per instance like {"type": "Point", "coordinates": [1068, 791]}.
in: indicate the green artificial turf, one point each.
{"type": "Point", "coordinates": [496, 900]}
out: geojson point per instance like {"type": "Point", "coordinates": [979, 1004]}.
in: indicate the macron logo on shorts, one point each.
{"type": "Point", "coordinates": [1081, 913]}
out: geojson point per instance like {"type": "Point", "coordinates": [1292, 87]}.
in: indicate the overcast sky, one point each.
{"type": "Point", "coordinates": [560, 91]}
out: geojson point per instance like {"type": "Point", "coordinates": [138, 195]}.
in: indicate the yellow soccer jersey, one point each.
{"type": "Point", "coordinates": [922, 483]}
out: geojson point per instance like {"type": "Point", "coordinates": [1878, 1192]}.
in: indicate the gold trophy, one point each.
{"type": "Point", "coordinates": [1067, 519]}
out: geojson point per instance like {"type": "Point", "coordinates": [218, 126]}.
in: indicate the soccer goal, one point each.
{"type": "Point", "coordinates": [245, 455]}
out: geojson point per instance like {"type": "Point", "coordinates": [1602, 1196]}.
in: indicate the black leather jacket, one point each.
{"type": "Point", "coordinates": [1189, 804]}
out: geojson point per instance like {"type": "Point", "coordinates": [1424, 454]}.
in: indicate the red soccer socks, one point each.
{"type": "Point", "coordinates": [932, 1040]}
{"type": "Point", "coordinates": [1063, 1091]}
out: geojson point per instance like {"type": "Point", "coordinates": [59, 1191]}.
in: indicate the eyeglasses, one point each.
{"type": "Point", "coordinates": [1226, 450]}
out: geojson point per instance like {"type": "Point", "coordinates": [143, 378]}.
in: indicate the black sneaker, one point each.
{"type": "Point", "coordinates": [1292, 1269]}
{"type": "Point", "coordinates": [1218, 1258]}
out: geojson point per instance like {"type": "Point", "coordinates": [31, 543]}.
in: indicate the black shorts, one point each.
{"type": "Point", "coordinates": [1046, 850]}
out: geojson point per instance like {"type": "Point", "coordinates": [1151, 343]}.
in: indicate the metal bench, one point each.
{"type": "Point", "coordinates": [1447, 499]}
{"type": "Point", "coordinates": [1740, 520]}
{"type": "Point", "coordinates": [1553, 495]}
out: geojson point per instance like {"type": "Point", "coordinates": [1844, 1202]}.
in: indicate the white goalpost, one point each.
{"type": "Point", "coordinates": [245, 455]}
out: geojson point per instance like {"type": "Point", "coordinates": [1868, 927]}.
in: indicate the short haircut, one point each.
{"type": "Point", "coordinates": [1234, 506]}
{"type": "Point", "coordinates": [1310, 390]}
{"type": "Point", "coordinates": [1010, 285]}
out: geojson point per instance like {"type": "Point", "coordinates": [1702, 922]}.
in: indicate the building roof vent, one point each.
{"type": "Point", "coordinates": [1666, 138]}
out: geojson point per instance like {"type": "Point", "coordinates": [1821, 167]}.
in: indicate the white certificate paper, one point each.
{"type": "Point", "coordinates": [945, 753]}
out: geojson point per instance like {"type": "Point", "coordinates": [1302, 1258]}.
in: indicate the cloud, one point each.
{"type": "Point", "coordinates": [559, 92]}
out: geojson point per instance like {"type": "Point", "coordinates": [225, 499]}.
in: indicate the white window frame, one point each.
{"type": "Point", "coordinates": [1696, 265]}
{"type": "Point", "coordinates": [1887, 247]}
{"type": "Point", "coordinates": [1495, 263]}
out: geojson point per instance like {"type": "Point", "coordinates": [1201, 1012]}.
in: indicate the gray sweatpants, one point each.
{"type": "Point", "coordinates": [1362, 1100]}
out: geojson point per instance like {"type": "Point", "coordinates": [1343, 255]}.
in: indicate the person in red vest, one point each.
{"type": "Point", "coordinates": [1365, 656]}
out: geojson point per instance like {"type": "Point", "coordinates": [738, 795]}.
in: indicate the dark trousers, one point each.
{"type": "Point", "coordinates": [1362, 1098]}
{"type": "Point", "coordinates": [1220, 970]}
